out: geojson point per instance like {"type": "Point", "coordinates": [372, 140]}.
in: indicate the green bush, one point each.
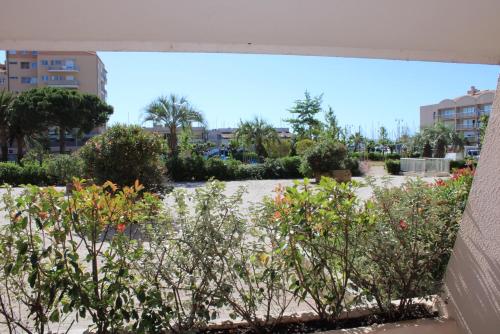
{"type": "Point", "coordinates": [10, 173]}
{"type": "Point", "coordinates": [217, 169]}
{"type": "Point", "coordinates": [62, 168]}
{"type": "Point", "coordinates": [303, 145]}
{"type": "Point", "coordinates": [124, 154]}
{"type": "Point", "coordinates": [31, 173]}
{"type": "Point", "coordinates": [326, 156]}
{"type": "Point", "coordinates": [393, 166]}
{"type": "Point", "coordinates": [291, 167]}
{"type": "Point", "coordinates": [187, 168]}
{"type": "Point", "coordinates": [392, 156]}
{"type": "Point", "coordinates": [353, 165]}
{"type": "Point", "coordinates": [375, 156]}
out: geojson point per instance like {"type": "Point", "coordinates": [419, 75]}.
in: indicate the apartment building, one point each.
{"type": "Point", "coordinates": [461, 113]}
{"type": "Point", "coordinates": [223, 136]}
{"type": "Point", "coordinates": [3, 77]}
{"type": "Point", "coordinates": [80, 70]}
{"type": "Point", "coordinates": [198, 134]}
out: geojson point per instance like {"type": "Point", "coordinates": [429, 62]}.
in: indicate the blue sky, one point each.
{"type": "Point", "coordinates": [227, 87]}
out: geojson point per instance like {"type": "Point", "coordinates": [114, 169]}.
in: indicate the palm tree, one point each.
{"type": "Point", "coordinates": [173, 111]}
{"type": "Point", "coordinates": [6, 99]}
{"type": "Point", "coordinates": [257, 133]}
{"type": "Point", "coordinates": [440, 136]}
{"type": "Point", "coordinates": [356, 139]}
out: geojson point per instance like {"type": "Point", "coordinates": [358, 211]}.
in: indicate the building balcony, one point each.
{"type": "Point", "coordinates": [64, 68]}
{"type": "Point", "coordinates": [447, 116]}
{"type": "Point", "coordinates": [63, 83]}
{"type": "Point", "coordinates": [466, 127]}
{"type": "Point", "coordinates": [467, 115]}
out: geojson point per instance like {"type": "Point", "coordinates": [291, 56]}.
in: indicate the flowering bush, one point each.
{"type": "Point", "coordinates": [62, 255]}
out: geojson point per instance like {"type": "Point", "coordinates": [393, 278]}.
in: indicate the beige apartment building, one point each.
{"type": "Point", "coordinates": [80, 70]}
{"type": "Point", "coordinates": [83, 71]}
{"type": "Point", "coordinates": [462, 113]}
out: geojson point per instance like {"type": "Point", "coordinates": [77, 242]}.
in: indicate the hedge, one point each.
{"type": "Point", "coordinates": [393, 166]}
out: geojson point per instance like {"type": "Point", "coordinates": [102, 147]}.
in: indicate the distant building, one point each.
{"type": "Point", "coordinates": [223, 136]}
{"type": "Point", "coordinates": [198, 134]}
{"type": "Point", "coordinates": [461, 114]}
{"type": "Point", "coordinates": [80, 70]}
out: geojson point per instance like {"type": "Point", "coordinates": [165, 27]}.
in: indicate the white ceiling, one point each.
{"type": "Point", "coordinates": [438, 30]}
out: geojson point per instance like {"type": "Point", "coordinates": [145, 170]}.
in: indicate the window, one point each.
{"type": "Point", "coordinates": [12, 62]}
{"type": "Point", "coordinates": [56, 77]}
{"type": "Point", "coordinates": [487, 108]}
{"type": "Point", "coordinates": [2, 81]}
{"type": "Point", "coordinates": [55, 62]}
{"type": "Point", "coordinates": [12, 52]}
{"type": "Point", "coordinates": [44, 62]}
{"type": "Point", "coordinates": [45, 78]}
{"type": "Point", "coordinates": [34, 53]}
{"type": "Point", "coordinates": [13, 78]}
{"type": "Point", "coordinates": [448, 113]}
{"type": "Point", "coordinates": [25, 65]}
{"type": "Point", "coordinates": [468, 110]}
{"type": "Point", "coordinates": [34, 65]}
{"type": "Point", "coordinates": [28, 80]}
{"type": "Point", "coordinates": [70, 77]}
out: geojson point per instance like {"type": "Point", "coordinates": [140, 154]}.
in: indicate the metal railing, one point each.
{"type": "Point", "coordinates": [72, 83]}
{"type": "Point", "coordinates": [64, 68]}
{"type": "Point", "coordinates": [425, 165]}
{"type": "Point", "coordinates": [466, 126]}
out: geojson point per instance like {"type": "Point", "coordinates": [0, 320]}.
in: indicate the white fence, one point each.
{"type": "Point", "coordinates": [425, 165]}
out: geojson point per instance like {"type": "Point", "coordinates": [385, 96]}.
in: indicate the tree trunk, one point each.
{"type": "Point", "coordinates": [62, 140]}
{"type": "Point", "coordinates": [4, 147]}
{"type": "Point", "coordinates": [173, 140]}
{"type": "Point", "coordinates": [20, 147]}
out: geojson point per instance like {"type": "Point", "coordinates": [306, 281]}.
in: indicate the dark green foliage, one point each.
{"type": "Point", "coordinates": [124, 154]}
{"type": "Point", "coordinates": [392, 156]}
{"type": "Point", "coordinates": [353, 165]}
{"type": "Point", "coordinates": [393, 166]}
{"type": "Point", "coordinates": [61, 169]}
{"type": "Point", "coordinates": [326, 156]}
{"type": "Point", "coordinates": [427, 151]}
{"type": "Point", "coordinates": [15, 174]}
{"type": "Point", "coordinates": [196, 168]}
{"type": "Point", "coordinates": [375, 156]}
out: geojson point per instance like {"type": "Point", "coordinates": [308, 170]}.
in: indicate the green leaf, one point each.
{"type": "Point", "coordinates": [54, 316]}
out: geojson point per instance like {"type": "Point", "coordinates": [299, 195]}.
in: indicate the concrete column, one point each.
{"type": "Point", "coordinates": [472, 282]}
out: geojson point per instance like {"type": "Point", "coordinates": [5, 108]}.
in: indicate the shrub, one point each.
{"type": "Point", "coordinates": [320, 254]}
{"type": "Point", "coordinates": [124, 154]}
{"type": "Point", "coordinates": [375, 156]}
{"type": "Point", "coordinates": [353, 165]}
{"type": "Point", "coordinates": [31, 173]}
{"type": "Point", "coordinates": [392, 156]}
{"type": "Point", "coordinates": [187, 168]}
{"type": "Point", "coordinates": [303, 145]}
{"type": "Point", "coordinates": [62, 168]}
{"type": "Point", "coordinates": [51, 275]}
{"type": "Point", "coordinates": [291, 167]}
{"type": "Point", "coordinates": [10, 173]}
{"type": "Point", "coordinates": [411, 240]}
{"type": "Point", "coordinates": [217, 169]}
{"type": "Point", "coordinates": [393, 166]}
{"type": "Point", "coordinates": [326, 156]}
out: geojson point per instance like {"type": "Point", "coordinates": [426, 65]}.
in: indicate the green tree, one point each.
{"type": "Point", "coordinates": [305, 124]}
{"type": "Point", "coordinates": [27, 118]}
{"type": "Point", "coordinates": [6, 99]}
{"type": "Point", "coordinates": [173, 111]}
{"type": "Point", "coordinates": [383, 138]}
{"type": "Point", "coordinates": [440, 137]}
{"type": "Point", "coordinates": [331, 127]}
{"type": "Point", "coordinates": [69, 109]}
{"type": "Point", "coordinates": [483, 124]}
{"type": "Point", "coordinates": [257, 133]}
{"type": "Point", "coordinates": [356, 140]}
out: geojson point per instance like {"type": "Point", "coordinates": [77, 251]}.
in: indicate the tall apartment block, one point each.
{"type": "Point", "coordinates": [83, 71]}
{"type": "Point", "coordinates": [80, 70]}
{"type": "Point", "coordinates": [462, 113]}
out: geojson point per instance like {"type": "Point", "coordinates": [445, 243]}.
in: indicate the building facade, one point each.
{"type": "Point", "coordinates": [223, 136]}
{"type": "Point", "coordinates": [80, 70]}
{"type": "Point", "coordinates": [461, 114]}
